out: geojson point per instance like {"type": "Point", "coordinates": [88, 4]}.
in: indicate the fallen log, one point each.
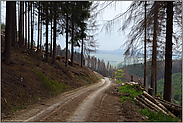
{"type": "Point", "coordinates": [169, 103]}
{"type": "Point", "coordinates": [154, 105]}
{"type": "Point", "coordinates": [146, 100]}
{"type": "Point", "coordinates": [154, 100]}
{"type": "Point", "coordinates": [158, 103]}
{"type": "Point", "coordinates": [141, 104]}
{"type": "Point", "coordinates": [149, 105]}
{"type": "Point", "coordinates": [177, 111]}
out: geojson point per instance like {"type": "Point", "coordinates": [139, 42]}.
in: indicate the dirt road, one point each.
{"type": "Point", "coordinates": [76, 105]}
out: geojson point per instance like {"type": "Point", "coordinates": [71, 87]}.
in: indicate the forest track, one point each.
{"type": "Point", "coordinates": [65, 106]}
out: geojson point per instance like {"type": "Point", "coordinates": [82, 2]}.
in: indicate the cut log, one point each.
{"type": "Point", "coordinates": [169, 103]}
{"type": "Point", "coordinates": [149, 105]}
{"type": "Point", "coordinates": [141, 104]}
{"type": "Point", "coordinates": [177, 111]}
{"type": "Point", "coordinates": [154, 105]}
{"type": "Point", "coordinates": [158, 103]}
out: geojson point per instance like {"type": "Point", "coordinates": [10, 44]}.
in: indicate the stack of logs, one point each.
{"type": "Point", "coordinates": [156, 104]}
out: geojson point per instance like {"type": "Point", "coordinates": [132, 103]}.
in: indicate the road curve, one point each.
{"type": "Point", "coordinates": [83, 109]}
{"type": "Point", "coordinates": [70, 106]}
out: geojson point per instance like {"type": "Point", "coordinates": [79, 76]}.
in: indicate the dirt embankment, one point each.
{"type": "Point", "coordinates": [29, 79]}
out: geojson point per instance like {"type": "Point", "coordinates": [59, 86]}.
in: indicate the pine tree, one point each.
{"type": "Point", "coordinates": [168, 54]}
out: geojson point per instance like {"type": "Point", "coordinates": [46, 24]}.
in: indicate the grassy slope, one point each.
{"type": "Point", "coordinates": [41, 80]}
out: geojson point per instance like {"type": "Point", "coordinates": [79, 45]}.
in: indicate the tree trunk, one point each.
{"type": "Point", "coordinates": [20, 26]}
{"type": "Point", "coordinates": [28, 24]}
{"type": "Point", "coordinates": [82, 54]}
{"type": "Point", "coordinates": [8, 31]}
{"type": "Point", "coordinates": [54, 32]}
{"type": "Point", "coordinates": [23, 24]}
{"type": "Point", "coordinates": [38, 28]}
{"type": "Point", "coordinates": [31, 28]}
{"type": "Point", "coordinates": [51, 32]}
{"type": "Point", "coordinates": [153, 66]}
{"type": "Point", "coordinates": [41, 31]}
{"type": "Point", "coordinates": [72, 38]}
{"type": "Point", "coordinates": [168, 52]}
{"type": "Point", "coordinates": [145, 50]}
{"type": "Point", "coordinates": [66, 63]}
{"type": "Point", "coordinates": [51, 41]}
{"type": "Point", "coordinates": [14, 24]}
{"type": "Point", "coordinates": [47, 33]}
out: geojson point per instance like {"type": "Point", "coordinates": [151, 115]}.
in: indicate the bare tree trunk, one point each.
{"type": "Point", "coordinates": [31, 28]}
{"type": "Point", "coordinates": [8, 31]}
{"type": "Point", "coordinates": [168, 52]}
{"type": "Point", "coordinates": [28, 24]}
{"type": "Point", "coordinates": [51, 41]}
{"type": "Point", "coordinates": [14, 24]}
{"type": "Point", "coordinates": [41, 31]}
{"type": "Point", "coordinates": [47, 33]}
{"type": "Point", "coordinates": [145, 51]}
{"type": "Point", "coordinates": [23, 24]}
{"type": "Point", "coordinates": [38, 28]}
{"type": "Point", "coordinates": [155, 47]}
{"type": "Point", "coordinates": [54, 39]}
{"type": "Point", "coordinates": [72, 38]}
{"type": "Point", "coordinates": [20, 26]}
{"type": "Point", "coordinates": [51, 32]}
{"type": "Point", "coordinates": [82, 54]}
{"type": "Point", "coordinates": [66, 63]}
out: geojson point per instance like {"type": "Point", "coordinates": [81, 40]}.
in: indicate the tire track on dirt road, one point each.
{"type": "Point", "coordinates": [66, 99]}
{"type": "Point", "coordinates": [83, 109]}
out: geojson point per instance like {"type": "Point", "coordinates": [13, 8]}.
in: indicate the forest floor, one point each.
{"type": "Point", "coordinates": [29, 80]}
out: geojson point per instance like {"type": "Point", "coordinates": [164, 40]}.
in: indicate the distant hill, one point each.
{"type": "Point", "coordinates": [113, 52]}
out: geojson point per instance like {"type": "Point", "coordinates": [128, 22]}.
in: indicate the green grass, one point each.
{"type": "Point", "coordinates": [52, 85]}
{"type": "Point", "coordinates": [133, 90]}
{"type": "Point", "coordinates": [157, 117]}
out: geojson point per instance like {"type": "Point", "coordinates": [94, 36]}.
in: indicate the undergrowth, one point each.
{"type": "Point", "coordinates": [157, 117]}
{"type": "Point", "coordinates": [52, 85]}
{"type": "Point", "coordinates": [132, 90]}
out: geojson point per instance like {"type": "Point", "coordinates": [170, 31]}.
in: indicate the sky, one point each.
{"type": "Point", "coordinates": [113, 40]}
{"type": "Point", "coordinates": [105, 40]}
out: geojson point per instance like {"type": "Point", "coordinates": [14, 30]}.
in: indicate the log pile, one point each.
{"type": "Point", "coordinates": [156, 104]}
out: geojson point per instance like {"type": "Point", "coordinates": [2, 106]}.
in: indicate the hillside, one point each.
{"type": "Point", "coordinates": [176, 88]}
{"type": "Point", "coordinates": [28, 79]}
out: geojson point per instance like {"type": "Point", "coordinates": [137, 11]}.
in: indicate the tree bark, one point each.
{"type": "Point", "coordinates": [153, 66]}
{"type": "Point", "coordinates": [168, 52]}
{"type": "Point", "coordinates": [145, 50]}
{"type": "Point", "coordinates": [23, 24]}
{"type": "Point", "coordinates": [82, 54]}
{"type": "Point", "coordinates": [41, 31]}
{"type": "Point", "coordinates": [28, 24]}
{"type": "Point", "coordinates": [14, 24]}
{"type": "Point", "coordinates": [8, 31]}
{"type": "Point", "coordinates": [38, 28]}
{"type": "Point", "coordinates": [51, 31]}
{"type": "Point", "coordinates": [72, 38]}
{"type": "Point", "coordinates": [20, 26]}
{"type": "Point", "coordinates": [67, 19]}
{"type": "Point", "coordinates": [31, 28]}
{"type": "Point", "coordinates": [47, 33]}
{"type": "Point", "coordinates": [54, 39]}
